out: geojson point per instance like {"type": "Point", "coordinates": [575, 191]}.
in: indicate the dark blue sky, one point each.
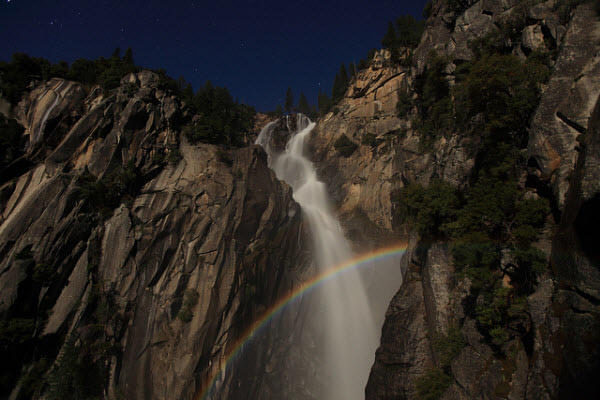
{"type": "Point", "coordinates": [255, 48]}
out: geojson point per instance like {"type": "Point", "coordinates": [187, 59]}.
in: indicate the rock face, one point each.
{"type": "Point", "coordinates": [568, 101]}
{"type": "Point", "coordinates": [560, 354]}
{"type": "Point", "coordinates": [576, 261]}
{"type": "Point", "coordinates": [387, 154]}
{"type": "Point", "coordinates": [200, 242]}
{"type": "Point", "coordinates": [113, 220]}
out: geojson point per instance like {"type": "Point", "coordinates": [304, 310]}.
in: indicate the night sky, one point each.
{"type": "Point", "coordinates": [254, 48]}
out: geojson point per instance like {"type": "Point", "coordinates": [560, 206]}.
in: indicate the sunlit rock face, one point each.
{"type": "Point", "coordinates": [202, 242]}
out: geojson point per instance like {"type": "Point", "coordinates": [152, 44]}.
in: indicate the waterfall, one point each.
{"type": "Point", "coordinates": [351, 330]}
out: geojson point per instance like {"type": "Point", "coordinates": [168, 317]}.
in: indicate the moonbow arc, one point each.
{"type": "Point", "coordinates": [355, 262]}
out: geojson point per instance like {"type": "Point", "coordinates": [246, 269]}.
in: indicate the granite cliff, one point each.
{"type": "Point", "coordinates": [133, 261]}
{"type": "Point", "coordinates": [557, 352]}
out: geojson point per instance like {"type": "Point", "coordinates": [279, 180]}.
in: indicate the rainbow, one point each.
{"type": "Point", "coordinates": [372, 256]}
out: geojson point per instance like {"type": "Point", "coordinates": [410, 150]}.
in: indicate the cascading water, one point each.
{"type": "Point", "coordinates": [351, 332]}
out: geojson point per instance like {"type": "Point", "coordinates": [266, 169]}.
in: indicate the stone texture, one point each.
{"type": "Point", "coordinates": [567, 102]}
{"type": "Point", "coordinates": [228, 230]}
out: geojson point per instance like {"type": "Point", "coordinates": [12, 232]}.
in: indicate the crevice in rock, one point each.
{"type": "Point", "coordinates": [586, 227]}
{"type": "Point", "coordinates": [569, 122]}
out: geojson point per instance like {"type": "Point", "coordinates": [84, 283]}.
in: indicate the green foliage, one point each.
{"type": "Point", "coordinates": [340, 85]}
{"type": "Point", "coordinates": [225, 157]}
{"type": "Point", "coordinates": [404, 104]}
{"type": "Point", "coordinates": [32, 383]}
{"type": "Point", "coordinates": [174, 156]}
{"type": "Point", "coordinates": [190, 299]}
{"type": "Point", "coordinates": [529, 264]}
{"type": "Point", "coordinates": [434, 105]}
{"type": "Point", "coordinates": [289, 100]}
{"type": "Point", "coordinates": [499, 312]}
{"type": "Point", "coordinates": [303, 106]}
{"type": "Point", "coordinates": [12, 141]}
{"type": "Point", "coordinates": [106, 193]}
{"type": "Point", "coordinates": [220, 119]}
{"type": "Point", "coordinates": [16, 331]}
{"type": "Point", "coordinates": [77, 374]}
{"type": "Point", "coordinates": [404, 34]}
{"type": "Point", "coordinates": [449, 346]}
{"type": "Point", "coordinates": [428, 209]}
{"type": "Point", "coordinates": [345, 146]}
{"type": "Point", "coordinates": [565, 8]}
{"type": "Point", "coordinates": [16, 338]}
{"type": "Point", "coordinates": [428, 9]}
{"type": "Point", "coordinates": [477, 257]}
{"type": "Point", "coordinates": [43, 274]}
{"type": "Point", "coordinates": [433, 384]}
{"type": "Point", "coordinates": [458, 6]}
{"type": "Point", "coordinates": [504, 90]}
{"type": "Point", "coordinates": [324, 103]}
{"type": "Point", "coordinates": [369, 139]}
{"type": "Point", "coordinates": [16, 75]}
{"type": "Point", "coordinates": [409, 31]}
{"type": "Point", "coordinates": [352, 70]}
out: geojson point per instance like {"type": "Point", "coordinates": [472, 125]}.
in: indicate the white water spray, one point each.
{"type": "Point", "coordinates": [351, 331]}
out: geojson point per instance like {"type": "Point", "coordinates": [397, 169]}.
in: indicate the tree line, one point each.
{"type": "Point", "coordinates": [215, 116]}
{"type": "Point", "coordinates": [402, 34]}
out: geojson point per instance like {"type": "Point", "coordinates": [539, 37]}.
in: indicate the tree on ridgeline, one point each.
{"type": "Point", "coordinates": [405, 33]}
{"type": "Point", "coordinates": [352, 70]}
{"type": "Point", "coordinates": [389, 39]}
{"type": "Point", "coordinates": [128, 57]}
{"type": "Point", "coordinates": [303, 106]}
{"type": "Point", "coordinates": [289, 100]}
{"type": "Point", "coordinates": [409, 31]}
{"type": "Point", "coordinates": [323, 103]}
{"type": "Point", "coordinates": [340, 84]}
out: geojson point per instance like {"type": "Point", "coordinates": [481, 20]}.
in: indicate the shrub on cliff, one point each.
{"type": "Point", "coordinates": [428, 209]}
{"type": "Point", "coordinates": [190, 299]}
{"type": "Point", "coordinates": [345, 146]}
{"type": "Point", "coordinates": [433, 384]}
{"type": "Point", "coordinates": [12, 140]}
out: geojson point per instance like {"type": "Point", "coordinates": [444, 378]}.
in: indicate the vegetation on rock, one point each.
{"type": "Point", "coordinates": [491, 224]}
{"type": "Point", "coordinates": [345, 146]}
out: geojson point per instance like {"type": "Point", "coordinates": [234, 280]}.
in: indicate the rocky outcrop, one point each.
{"type": "Point", "coordinates": [576, 261]}
{"type": "Point", "coordinates": [567, 102]}
{"type": "Point", "coordinates": [388, 154]}
{"type": "Point", "coordinates": [172, 248]}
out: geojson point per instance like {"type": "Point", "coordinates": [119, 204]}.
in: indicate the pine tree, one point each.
{"type": "Point", "coordinates": [352, 70]}
{"type": "Point", "coordinates": [340, 84]}
{"type": "Point", "coordinates": [324, 103]}
{"type": "Point", "coordinates": [128, 57]}
{"type": "Point", "coordinates": [279, 110]}
{"type": "Point", "coordinates": [289, 100]}
{"type": "Point", "coordinates": [389, 39]}
{"type": "Point", "coordinates": [116, 54]}
{"type": "Point", "coordinates": [409, 31]}
{"type": "Point", "coordinates": [303, 106]}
